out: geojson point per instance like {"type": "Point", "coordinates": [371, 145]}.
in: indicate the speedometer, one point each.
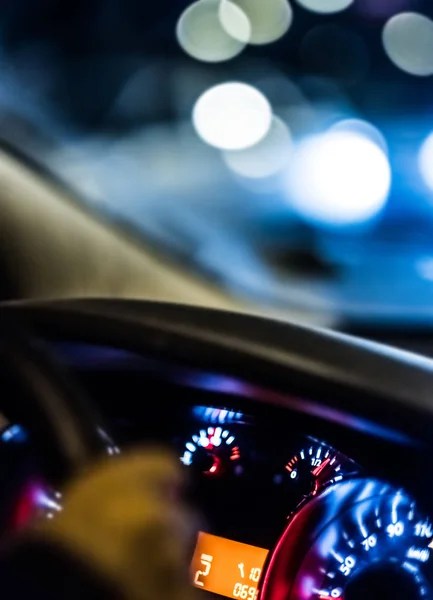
{"type": "Point", "coordinates": [359, 540]}
{"type": "Point", "coordinates": [213, 451]}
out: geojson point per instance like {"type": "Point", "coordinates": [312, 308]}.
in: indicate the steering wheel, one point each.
{"type": "Point", "coordinates": [37, 392]}
{"type": "Point", "coordinates": [351, 380]}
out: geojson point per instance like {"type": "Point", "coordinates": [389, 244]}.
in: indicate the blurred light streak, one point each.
{"type": "Point", "coordinates": [270, 19]}
{"type": "Point", "coordinates": [326, 6]}
{"type": "Point", "coordinates": [266, 158]}
{"type": "Point", "coordinates": [44, 499]}
{"type": "Point", "coordinates": [232, 116]}
{"type": "Point", "coordinates": [408, 42]}
{"type": "Point", "coordinates": [204, 30]}
{"type": "Point", "coordinates": [338, 179]}
{"type": "Point", "coordinates": [425, 161]}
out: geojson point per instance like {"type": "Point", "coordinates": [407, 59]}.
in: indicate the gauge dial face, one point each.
{"type": "Point", "coordinates": [212, 451]}
{"type": "Point", "coordinates": [314, 466]}
{"type": "Point", "coordinates": [375, 550]}
{"type": "Point", "coordinates": [359, 540]}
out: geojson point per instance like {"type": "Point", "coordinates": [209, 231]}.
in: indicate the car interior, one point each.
{"type": "Point", "coordinates": [216, 227]}
{"type": "Point", "coordinates": [307, 451]}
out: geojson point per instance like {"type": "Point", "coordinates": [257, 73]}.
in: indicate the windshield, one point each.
{"type": "Point", "coordinates": [283, 150]}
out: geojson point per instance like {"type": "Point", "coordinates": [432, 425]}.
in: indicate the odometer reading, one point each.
{"type": "Point", "coordinates": [227, 567]}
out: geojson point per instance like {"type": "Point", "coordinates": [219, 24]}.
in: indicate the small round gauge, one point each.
{"type": "Point", "coordinates": [212, 451]}
{"type": "Point", "coordinates": [314, 466]}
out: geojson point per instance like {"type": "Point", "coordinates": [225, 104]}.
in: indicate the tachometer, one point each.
{"type": "Point", "coordinates": [360, 539]}
{"type": "Point", "coordinates": [213, 451]}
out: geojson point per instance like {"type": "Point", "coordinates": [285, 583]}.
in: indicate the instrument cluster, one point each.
{"type": "Point", "coordinates": [297, 519]}
{"type": "Point", "coordinates": [286, 515]}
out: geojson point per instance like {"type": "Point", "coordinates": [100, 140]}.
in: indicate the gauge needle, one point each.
{"type": "Point", "coordinates": [320, 468]}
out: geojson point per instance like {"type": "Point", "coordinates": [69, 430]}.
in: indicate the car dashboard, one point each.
{"type": "Point", "coordinates": [336, 495]}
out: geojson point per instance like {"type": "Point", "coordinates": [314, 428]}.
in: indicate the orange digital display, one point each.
{"type": "Point", "coordinates": [226, 567]}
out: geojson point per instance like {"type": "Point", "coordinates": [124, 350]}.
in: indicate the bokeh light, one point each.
{"type": "Point", "coordinates": [204, 30]}
{"type": "Point", "coordinates": [326, 6]}
{"type": "Point", "coordinates": [270, 19]}
{"type": "Point", "coordinates": [408, 42]}
{"type": "Point", "coordinates": [266, 158]}
{"type": "Point", "coordinates": [425, 161]}
{"type": "Point", "coordinates": [234, 20]}
{"type": "Point", "coordinates": [363, 128]}
{"type": "Point", "coordinates": [338, 178]}
{"type": "Point", "coordinates": [232, 116]}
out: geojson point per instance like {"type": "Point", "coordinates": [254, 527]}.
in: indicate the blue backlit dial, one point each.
{"type": "Point", "coordinates": [13, 434]}
{"type": "Point", "coordinates": [360, 540]}
{"type": "Point", "coordinates": [213, 451]}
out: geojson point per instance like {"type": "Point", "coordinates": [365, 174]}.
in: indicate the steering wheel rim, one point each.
{"type": "Point", "coordinates": [51, 405]}
{"type": "Point", "coordinates": [362, 380]}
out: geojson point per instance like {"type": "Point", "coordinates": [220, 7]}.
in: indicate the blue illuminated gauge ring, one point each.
{"type": "Point", "coordinates": [13, 434]}
{"type": "Point", "coordinates": [212, 450]}
{"type": "Point", "coordinates": [359, 539]}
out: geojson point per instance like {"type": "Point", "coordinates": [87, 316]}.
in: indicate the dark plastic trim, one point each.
{"type": "Point", "coordinates": [364, 379]}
